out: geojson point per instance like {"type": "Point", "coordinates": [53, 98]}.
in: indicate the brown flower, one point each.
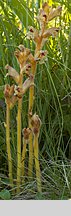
{"type": "Point", "coordinates": [48, 13]}
{"type": "Point", "coordinates": [8, 91]}
{"type": "Point", "coordinates": [51, 32]}
{"type": "Point", "coordinates": [54, 13]}
{"type": "Point", "coordinates": [13, 73]}
{"type": "Point", "coordinates": [41, 55]}
{"type": "Point", "coordinates": [26, 69]}
{"type": "Point", "coordinates": [36, 123]}
{"type": "Point", "coordinates": [9, 95]}
{"type": "Point", "coordinates": [22, 55]}
{"type": "Point", "coordinates": [33, 34]}
{"type": "Point", "coordinates": [20, 91]}
{"type": "Point", "coordinates": [26, 132]}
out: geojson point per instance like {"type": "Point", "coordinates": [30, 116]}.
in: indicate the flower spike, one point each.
{"type": "Point", "coordinates": [47, 13]}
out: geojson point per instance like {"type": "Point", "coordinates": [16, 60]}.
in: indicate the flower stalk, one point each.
{"type": "Point", "coordinates": [31, 100]}
{"type": "Point", "coordinates": [8, 94]}
{"type": "Point", "coordinates": [8, 143]}
{"type": "Point", "coordinates": [26, 133]}
{"type": "Point", "coordinates": [39, 37]}
{"type": "Point", "coordinates": [19, 144]}
{"type": "Point", "coordinates": [23, 159]}
{"type": "Point", "coordinates": [22, 56]}
{"type": "Point", "coordinates": [36, 123]}
{"type": "Point", "coordinates": [37, 166]}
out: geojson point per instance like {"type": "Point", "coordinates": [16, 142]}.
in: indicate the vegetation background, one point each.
{"type": "Point", "coordinates": [52, 99]}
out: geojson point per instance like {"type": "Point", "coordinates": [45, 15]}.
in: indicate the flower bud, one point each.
{"type": "Point", "coordinates": [36, 123]}
{"type": "Point", "coordinates": [9, 95]}
{"type": "Point", "coordinates": [26, 132]}
{"type": "Point", "coordinates": [9, 90]}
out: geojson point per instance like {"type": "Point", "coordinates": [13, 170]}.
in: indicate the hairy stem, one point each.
{"type": "Point", "coordinates": [8, 144]}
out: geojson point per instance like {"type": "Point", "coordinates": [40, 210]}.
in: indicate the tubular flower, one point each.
{"type": "Point", "coordinates": [54, 13]}
{"type": "Point", "coordinates": [13, 73]}
{"type": "Point", "coordinates": [41, 55]}
{"type": "Point", "coordinates": [9, 90]}
{"type": "Point", "coordinates": [42, 17]}
{"type": "Point", "coordinates": [22, 54]}
{"type": "Point", "coordinates": [48, 13]}
{"type": "Point", "coordinates": [33, 63]}
{"type": "Point", "coordinates": [32, 33]}
{"type": "Point", "coordinates": [26, 69]}
{"type": "Point", "coordinates": [35, 35]}
{"type": "Point", "coordinates": [20, 91]}
{"type": "Point", "coordinates": [51, 32]}
{"type": "Point", "coordinates": [9, 95]}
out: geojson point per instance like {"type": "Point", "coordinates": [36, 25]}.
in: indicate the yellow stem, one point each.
{"type": "Point", "coordinates": [23, 158]}
{"type": "Point", "coordinates": [30, 169]}
{"type": "Point", "coordinates": [8, 144]}
{"type": "Point", "coordinates": [19, 144]}
{"type": "Point", "coordinates": [37, 166]}
{"type": "Point", "coordinates": [31, 99]}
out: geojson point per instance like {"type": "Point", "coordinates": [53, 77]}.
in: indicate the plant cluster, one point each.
{"type": "Point", "coordinates": [15, 93]}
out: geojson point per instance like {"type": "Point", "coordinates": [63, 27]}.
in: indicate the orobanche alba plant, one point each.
{"type": "Point", "coordinates": [15, 93]}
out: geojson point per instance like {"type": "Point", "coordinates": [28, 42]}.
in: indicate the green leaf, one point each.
{"type": "Point", "coordinates": [39, 196]}
{"type": "Point", "coordinates": [5, 194]}
{"type": "Point", "coordinates": [22, 10]}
